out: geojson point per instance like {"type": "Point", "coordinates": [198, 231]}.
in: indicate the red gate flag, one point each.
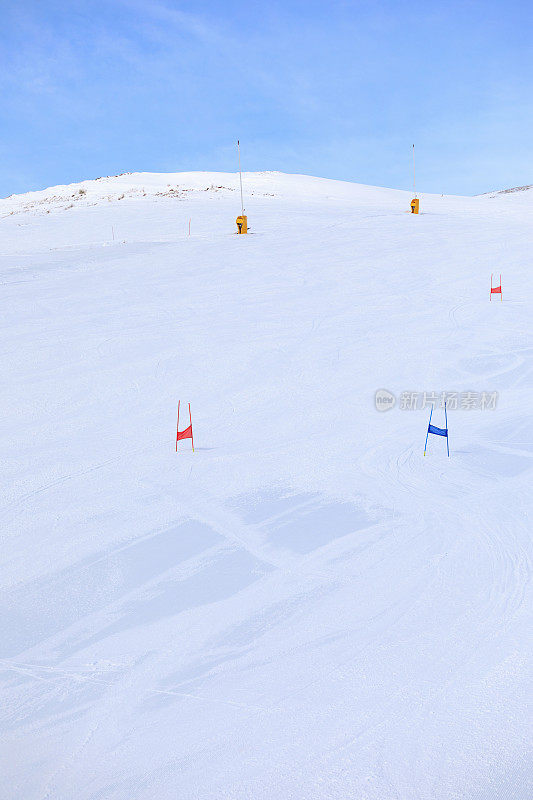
{"type": "Point", "coordinates": [496, 289]}
{"type": "Point", "coordinates": [187, 433]}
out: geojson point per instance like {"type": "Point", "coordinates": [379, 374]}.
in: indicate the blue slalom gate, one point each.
{"type": "Point", "coordinates": [438, 431]}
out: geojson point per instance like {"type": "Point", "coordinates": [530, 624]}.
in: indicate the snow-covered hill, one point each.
{"type": "Point", "coordinates": [305, 607]}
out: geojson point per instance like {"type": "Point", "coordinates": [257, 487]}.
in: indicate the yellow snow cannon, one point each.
{"type": "Point", "coordinates": [242, 223]}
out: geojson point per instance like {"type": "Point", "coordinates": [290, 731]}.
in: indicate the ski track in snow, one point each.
{"type": "Point", "coordinates": [305, 607]}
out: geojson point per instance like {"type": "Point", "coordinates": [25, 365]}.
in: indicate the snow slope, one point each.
{"type": "Point", "coordinates": [305, 608]}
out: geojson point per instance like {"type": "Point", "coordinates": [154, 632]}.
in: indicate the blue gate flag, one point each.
{"type": "Point", "coordinates": [438, 431]}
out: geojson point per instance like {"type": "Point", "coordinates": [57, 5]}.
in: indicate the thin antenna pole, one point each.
{"type": "Point", "coordinates": [414, 172]}
{"type": "Point", "coordinates": [240, 176]}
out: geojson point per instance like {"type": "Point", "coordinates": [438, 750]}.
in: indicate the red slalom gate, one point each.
{"type": "Point", "coordinates": [187, 433]}
{"type": "Point", "coordinates": [496, 289]}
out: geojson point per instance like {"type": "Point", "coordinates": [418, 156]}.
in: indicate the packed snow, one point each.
{"type": "Point", "coordinates": [305, 607]}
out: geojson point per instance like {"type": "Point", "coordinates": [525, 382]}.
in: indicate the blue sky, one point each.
{"type": "Point", "coordinates": [339, 89]}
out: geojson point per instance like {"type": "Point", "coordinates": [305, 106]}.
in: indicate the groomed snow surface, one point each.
{"type": "Point", "coordinates": [305, 608]}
